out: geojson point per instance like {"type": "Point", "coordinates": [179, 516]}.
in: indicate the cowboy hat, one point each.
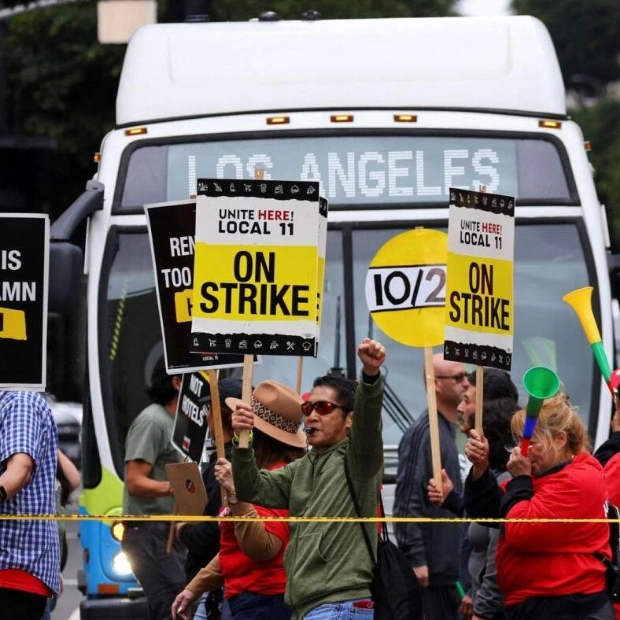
{"type": "Point", "coordinates": [277, 412]}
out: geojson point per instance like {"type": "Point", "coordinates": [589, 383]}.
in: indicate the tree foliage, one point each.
{"type": "Point", "coordinates": [62, 83]}
{"type": "Point", "coordinates": [585, 35]}
{"type": "Point", "coordinates": [599, 124]}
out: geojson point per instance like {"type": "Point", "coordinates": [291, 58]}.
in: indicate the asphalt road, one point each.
{"type": "Point", "coordinates": [68, 605]}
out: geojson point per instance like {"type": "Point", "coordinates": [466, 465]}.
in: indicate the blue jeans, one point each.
{"type": "Point", "coordinates": [343, 610]}
{"type": "Point", "coordinates": [201, 612]}
{"type": "Point", "coordinates": [252, 606]}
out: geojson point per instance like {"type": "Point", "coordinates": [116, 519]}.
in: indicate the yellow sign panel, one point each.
{"type": "Point", "coordinates": [406, 287]}
{"type": "Point", "coordinates": [480, 307]}
{"type": "Point", "coordinates": [483, 301]}
{"type": "Point", "coordinates": [183, 305]}
{"type": "Point", "coordinates": [13, 324]}
{"type": "Point", "coordinates": [265, 283]}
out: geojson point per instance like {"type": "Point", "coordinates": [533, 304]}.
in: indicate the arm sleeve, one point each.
{"type": "Point", "coordinates": [202, 539]}
{"type": "Point", "coordinates": [608, 449]}
{"type": "Point", "coordinates": [489, 600]}
{"type": "Point", "coordinates": [255, 540]}
{"type": "Point", "coordinates": [563, 496]}
{"type": "Point", "coordinates": [208, 578]}
{"type": "Point", "coordinates": [267, 488]}
{"type": "Point", "coordinates": [365, 451]}
{"type": "Point", "coordinates": [454, 503]}
{"type": "Point", "coordinates": [410, 496]}
{"type": "Point", "coordinates": [612, 479]}
{"type": "Point", "coordinates": [482, 497]}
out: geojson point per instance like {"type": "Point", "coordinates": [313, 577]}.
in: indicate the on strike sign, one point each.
{"type": "Point", "coordinates": [480, 309]}
{"type": "Point", "coordinates": [258, 267]}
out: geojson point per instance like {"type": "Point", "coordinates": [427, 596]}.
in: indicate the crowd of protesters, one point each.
{"type": "Point", "coordinates": [546, 565]}
{"type": "Point", "coordinates": [535, 544]}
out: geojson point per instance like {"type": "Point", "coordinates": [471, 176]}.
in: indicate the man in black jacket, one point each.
{"type": "Point", "coordinates": [432, 548]}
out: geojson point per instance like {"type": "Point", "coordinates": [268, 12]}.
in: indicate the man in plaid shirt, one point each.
{"type": "Point", "coordinates": [29, 548]}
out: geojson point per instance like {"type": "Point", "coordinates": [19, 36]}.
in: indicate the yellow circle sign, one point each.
{"type": "Point", "coordinates": [406, 287]}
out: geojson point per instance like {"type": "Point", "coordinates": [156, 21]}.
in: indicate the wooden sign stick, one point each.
{"type": "Point", "coordinates": [246, 394]}
{"type": "Point", "coordinates": [218, 431]}
{"type": "Point", "coordinates": [300, 370]}
{"type": "Point", "coordinates": [479, 377]}
{"type": "Point", "coordinates": [433, 420]}
{"type": "Point", "coordinates": [171, 532]}
{"type": "Point", "coordinates": [248, 359]}
{"type": "Point", "coordinates": [479, 398]}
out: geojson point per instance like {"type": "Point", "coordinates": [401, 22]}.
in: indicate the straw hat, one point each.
{"type": "Point", "coordinates": [277, 412]}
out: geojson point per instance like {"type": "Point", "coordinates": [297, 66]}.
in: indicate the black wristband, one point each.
{"type": "Point", "coordinates": [3, 494]}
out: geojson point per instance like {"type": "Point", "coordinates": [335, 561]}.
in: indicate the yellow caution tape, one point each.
{"type": "Point", "coordinates": [202, 519]}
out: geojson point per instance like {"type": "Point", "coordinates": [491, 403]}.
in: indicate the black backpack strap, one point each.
{"type": "Point", "coordinates": [359, 512]}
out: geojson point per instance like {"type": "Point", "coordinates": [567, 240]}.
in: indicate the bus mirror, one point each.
{"type": "Point", "coordinates": [66, 262]}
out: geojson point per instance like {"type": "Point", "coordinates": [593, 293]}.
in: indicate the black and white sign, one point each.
{"type": "Point", "coordinates": [171, 229]}
{"type": "Point", "coordinates": [24, 277]}
{"type": "Point", "coordinates": [190, 424]}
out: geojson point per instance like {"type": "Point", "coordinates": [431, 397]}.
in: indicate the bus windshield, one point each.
{"type": "Point", "coordinates": [550, 260]}
{"type": "Point", "coordinates": [364, 171]}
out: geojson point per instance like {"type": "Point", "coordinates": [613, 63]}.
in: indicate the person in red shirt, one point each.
{"type": "Point", "coordinates": [546, 570]}
{"type": "Point", "coordinates": [250, 562]}
{"type": "Point", "coordinates": [611, 468]}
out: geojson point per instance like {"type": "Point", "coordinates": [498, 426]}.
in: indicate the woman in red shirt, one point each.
{"type": "Point", "coordinates": [546, 570]}
{"type": "Point", "coordinates": [249, 564]}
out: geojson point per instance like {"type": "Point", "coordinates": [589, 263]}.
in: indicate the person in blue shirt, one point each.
{"type": "Point", "coordinates": [29, 549]}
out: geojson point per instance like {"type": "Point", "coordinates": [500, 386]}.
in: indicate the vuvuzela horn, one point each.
{"type": "Point", "coordinates": [580, 301]}
{"type": "Point", "coordinates": [540, 383]}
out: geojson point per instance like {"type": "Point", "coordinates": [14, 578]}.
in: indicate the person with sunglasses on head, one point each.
{"type": "Point", "coordinates": [327, 563]}
{"type": "Point", "coordinates": [432, 548]}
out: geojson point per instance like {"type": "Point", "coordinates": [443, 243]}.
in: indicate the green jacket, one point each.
{"type": "Point", "coordinates": [325, 561]}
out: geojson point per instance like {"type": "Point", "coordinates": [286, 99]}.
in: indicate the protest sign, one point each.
{"type": "Point", "coordinates": [405, 293]}
{"type": "Point", "coordinates": [405, 287]}
{"type": "Point", "coordinates": [24, 269]}
{"type": "Point", "coordinates": [257, 267]}
{"type": "Point", "coordinates": [188, 488]}
{"type": "Point", "coordinates": [480, 308]}
{"type": "Point", "coordinates": [190, 423]}
{"type": "Point", "coordinates": [171, 231]}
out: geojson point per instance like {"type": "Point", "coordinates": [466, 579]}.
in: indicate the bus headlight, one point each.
{"type": "Point", "coordinates": [121, 565]}
{"type": "Point", "coordinates": [118, 530]}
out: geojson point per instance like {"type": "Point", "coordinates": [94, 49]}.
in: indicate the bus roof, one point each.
{"type": "Point", "coordinates": [482, 63]}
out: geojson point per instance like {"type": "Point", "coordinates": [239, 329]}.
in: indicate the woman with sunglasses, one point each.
{"type": "Point", "coordinates": [546, 570]}
{"type": "Point", "coordinates": [250, 562]}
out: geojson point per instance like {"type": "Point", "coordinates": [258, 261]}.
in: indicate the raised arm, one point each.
{"type": "Point", "coordinates": [366, 443]}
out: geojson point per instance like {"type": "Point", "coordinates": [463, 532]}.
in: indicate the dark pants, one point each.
{"type": "Point", "coordinates": [440, 603]}
{"type": "Point", "coordinates": [572, 607]}
{"type": "Point", "coordinates": [251, 606]}
{"type": "Point", "coordinates": [161, 574]}
{"type": "Point", "coordinates": [22, 605]}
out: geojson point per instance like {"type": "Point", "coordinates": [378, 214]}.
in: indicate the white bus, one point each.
{"type": "Point", "coordinates": [387, 114]}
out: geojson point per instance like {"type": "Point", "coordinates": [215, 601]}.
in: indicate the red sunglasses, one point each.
{"type": "Point", "coordinates": [322, 407]}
